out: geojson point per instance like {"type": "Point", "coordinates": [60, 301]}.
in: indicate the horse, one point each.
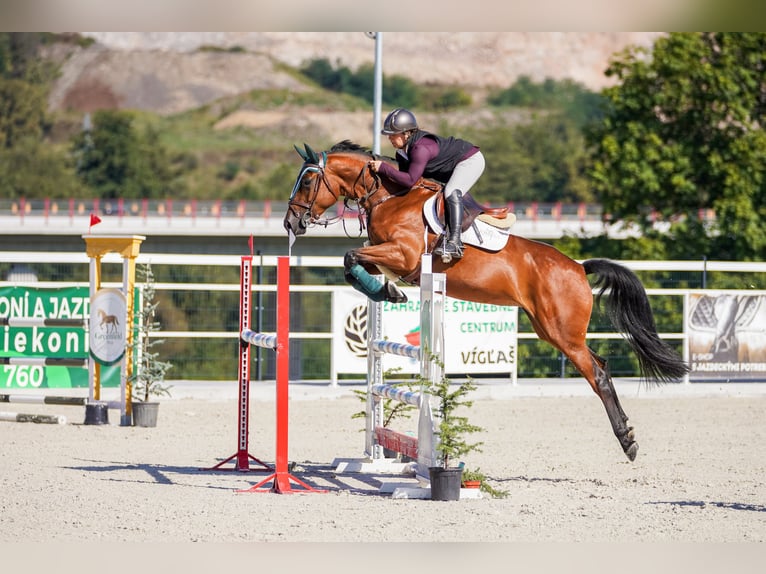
{"type": "Point", "coordinates": [109, 323]}
{"type": "Point", "coordinates": [551, 288]}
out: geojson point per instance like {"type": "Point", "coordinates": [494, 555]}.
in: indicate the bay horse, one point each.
{"type": "Point", "coordinates": [550, 287]}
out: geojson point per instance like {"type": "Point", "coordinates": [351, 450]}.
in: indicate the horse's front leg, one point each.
{"type": "Point", "coordinates": [357, 262]}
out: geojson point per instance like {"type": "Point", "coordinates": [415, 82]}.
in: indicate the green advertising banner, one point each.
{"type": "Point", "coordinates": [71, 303]}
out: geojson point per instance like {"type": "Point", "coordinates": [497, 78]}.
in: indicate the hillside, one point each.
{"type": "Point", "coordinates": [486, 59]}
{"type": "Point", "coordinates": [229, 106]}
{"type": "Point", "coordinates": [167, 73]}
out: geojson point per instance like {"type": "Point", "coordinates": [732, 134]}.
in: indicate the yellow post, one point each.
{"type": "Point", "coordinates": [128, 247]}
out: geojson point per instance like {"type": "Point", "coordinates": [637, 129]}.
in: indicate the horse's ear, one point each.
{"type": "Point", "coordinates": [312, 154]}
{"type": "Point", "coordinates": [301, 153]}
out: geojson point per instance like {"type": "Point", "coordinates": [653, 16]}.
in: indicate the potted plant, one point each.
{"type": "Point", "coordinates": [148, 376]}
{"type": "Point", "coordinates": [452, 431]}
{"type": "Point", "coordinates": [477, 479]}
{"type": "Point", "coordinates": [472, 478]}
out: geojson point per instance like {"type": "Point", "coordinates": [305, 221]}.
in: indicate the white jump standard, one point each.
{"type": "Point", "coordinates": [430, 353]}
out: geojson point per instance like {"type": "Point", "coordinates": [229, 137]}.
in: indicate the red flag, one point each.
{"type": "Point", "coordinates": [94, 219]}
{"type": "Point", "coordinates": [250, 243]}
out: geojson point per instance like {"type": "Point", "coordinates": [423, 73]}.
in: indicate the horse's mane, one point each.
{"type": "Point", "coordinates": [349, 146]}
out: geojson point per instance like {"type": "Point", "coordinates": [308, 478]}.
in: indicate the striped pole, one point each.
{"type": "Point", "coordinates": [41, 322]}
{"type": "Point", "coordinates": [400, 395]}
{"type": "Point", "coordinates": [27, 418]}
{"type": "Point", "coordinates": [259, 339]}
{"type": "Point", "coordinates": [45, 361]}
{"type": "Point", "coordinates": [393, 348]}
{"type": "Point", "coordinates": [44, 400]}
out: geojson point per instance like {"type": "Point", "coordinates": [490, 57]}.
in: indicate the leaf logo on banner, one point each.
{"type": "Point", "coordinates": [355, 331]}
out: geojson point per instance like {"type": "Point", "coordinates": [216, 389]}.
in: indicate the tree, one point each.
{"type": "Point", "coordinates": [31, 169]}
{"type": "Point", "coordinates": [541, 160]}
{"type": "Point", "coordinates": [116, 159]}
{"type": "Point", "coordinates": [683, 133]}
{"type": "Point", "coordinates": [577, 102]}
{"type": "Point", "coordinates": [22, 112]}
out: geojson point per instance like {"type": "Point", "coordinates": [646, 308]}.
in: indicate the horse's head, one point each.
{"type": "Point", "coordinates": [323, 178]}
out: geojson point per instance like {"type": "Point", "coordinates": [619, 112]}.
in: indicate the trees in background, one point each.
{"type": "Point", "coordinates": [542, 160]}
{"type": "Point", "coordinates": [675, 147]}
{"type": "Point", "coordinates": [28, 166]}
{"type": "Point", "coordinates": [115, 158]}
{"type": "Point", "coordinates": [573, 100]}
{"type": "Point", "coordinates": [683, 133]}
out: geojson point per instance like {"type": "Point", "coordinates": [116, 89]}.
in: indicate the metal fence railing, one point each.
{"type": "Point", "coordinates": [199, 297]}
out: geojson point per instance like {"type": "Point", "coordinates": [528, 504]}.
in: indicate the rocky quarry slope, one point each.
{"type": "Point", "coordinates": [167, 73]}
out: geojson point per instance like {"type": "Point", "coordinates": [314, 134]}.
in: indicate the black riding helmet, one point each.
{"type": "Point", "coordinates": [399, 121]}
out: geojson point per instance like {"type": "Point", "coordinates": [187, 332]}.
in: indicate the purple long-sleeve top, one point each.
{"type": "Point", "coordinates": [420, 154]}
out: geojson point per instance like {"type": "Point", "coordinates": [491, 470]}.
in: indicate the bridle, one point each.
{"type": "Point", "coordinates": [308, 218]}
{"type": "Point", "coordinates": [364, 204]}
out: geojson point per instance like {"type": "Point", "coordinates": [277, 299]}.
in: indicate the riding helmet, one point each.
{"type": "Point", "coordinates": [399, 121]}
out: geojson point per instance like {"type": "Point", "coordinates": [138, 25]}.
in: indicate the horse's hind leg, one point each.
{"type": "Point", "coordinates": [595, 371]}
{"type": "Point", "coordinates": [602, 384]}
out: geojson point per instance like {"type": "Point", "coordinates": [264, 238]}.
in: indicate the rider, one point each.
{"type": "Point", "coordinates": [422, 154]}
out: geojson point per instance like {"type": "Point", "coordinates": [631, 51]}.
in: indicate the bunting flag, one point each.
{"type": "Point", "coordinates": [94, 220]}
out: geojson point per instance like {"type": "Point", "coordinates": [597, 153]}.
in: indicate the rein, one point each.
{"type": "Point", "coordinates": [365, 202]}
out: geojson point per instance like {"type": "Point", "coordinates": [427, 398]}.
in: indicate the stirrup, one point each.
{"type": "Point", "coordinates": [439, 249]}
{"type": "Point", "coordinates": [450, 250]}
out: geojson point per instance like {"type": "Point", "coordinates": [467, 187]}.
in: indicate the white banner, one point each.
{"type": "Point", "coordinates": [479, 338]}
{"type": "Point", "coordinates": [727, 335]}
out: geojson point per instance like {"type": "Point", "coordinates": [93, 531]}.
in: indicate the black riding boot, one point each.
{"type": "Point", "coordinates": [452, 247]}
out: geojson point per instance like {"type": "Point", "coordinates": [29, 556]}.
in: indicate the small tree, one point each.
{"type": "Point", "coordinates": [148, 375]}
{"type": "Point", "coordinates": [453, 428]}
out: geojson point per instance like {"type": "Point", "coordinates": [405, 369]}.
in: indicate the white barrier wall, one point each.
{"type": "Point", "coordinates": [479, 338]}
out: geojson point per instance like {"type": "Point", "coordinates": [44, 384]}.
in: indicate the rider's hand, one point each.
{"type": "Point", "coordinates": [374, 165]}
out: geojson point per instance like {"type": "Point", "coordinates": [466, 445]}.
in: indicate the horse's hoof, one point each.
{"type": "Point", "coordinates": [632, 451]}
{"type": "Point", "coordinates": [394, 294]}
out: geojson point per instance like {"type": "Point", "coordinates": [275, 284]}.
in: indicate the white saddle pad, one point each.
{"type": "Point", "coordinates": [480, 234]}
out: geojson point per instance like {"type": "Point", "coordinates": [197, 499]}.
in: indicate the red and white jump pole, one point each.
{"type": "Point", "coordinates": [242, 457]}
{"type": "Point", "coordinates": [280, 480]}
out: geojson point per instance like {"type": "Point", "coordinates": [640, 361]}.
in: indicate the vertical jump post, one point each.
{"type": "Point", "coordinates": [280, 480]}
{"type": "Point", "coordinates": [242, 457]}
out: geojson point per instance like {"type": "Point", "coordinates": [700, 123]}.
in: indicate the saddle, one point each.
{"type": "Point", "coordinates": [472, 209]}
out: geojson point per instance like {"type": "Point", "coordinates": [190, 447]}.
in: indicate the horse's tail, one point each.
{"type": "Point", "coordinates": [627, 306]}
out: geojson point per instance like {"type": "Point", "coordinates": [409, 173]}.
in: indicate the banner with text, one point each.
{"type": "Point", "coordinates": [63, 342]}
{"type": "Point", "coordinates": [727, 335]}
{"type": "Point", "coordinates": [479, 338]}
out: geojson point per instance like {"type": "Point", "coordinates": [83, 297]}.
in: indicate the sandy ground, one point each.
{"type": "Point", "coordinates": [700, 475]}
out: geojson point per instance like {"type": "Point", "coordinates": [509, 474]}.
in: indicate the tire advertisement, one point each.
{"type": "Point", "coordinates": [478, 338]}
{"type": "Point", "coordinates": [727, 335]}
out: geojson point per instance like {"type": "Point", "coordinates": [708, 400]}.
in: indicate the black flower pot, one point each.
{"type": "Point", "coordinates": [445, 482]}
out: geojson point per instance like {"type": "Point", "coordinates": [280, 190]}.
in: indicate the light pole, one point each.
{"type": "Point", "coordinates": [378, 94]}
